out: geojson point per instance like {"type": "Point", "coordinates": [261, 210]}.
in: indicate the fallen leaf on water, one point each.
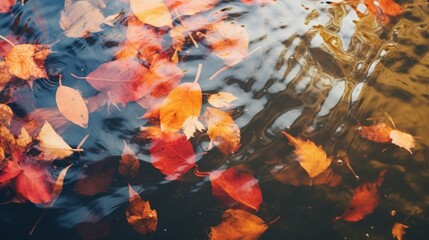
{"type": "Point", "coordinates": [172, 154]}
{"type": "Point", "coordinates": [129, 164]}
{"type": "Point", "coordinates": [23, 139]}
{"type": "Point", "coordinates": [311, 157]}
{"type": "Point", "coordinates": [97, 177]}
{"type": "Point", "coordinates": [238, 224]}
{"type": "Point", "coordinates": [152, 12]}
{"type": "Point", "coordinates": [71, 104]}
{"type": "Point", "coordinates": [398, 230]}
{"type": "Point", "coordinates": [365, 199]}
{"type": "Point", "coordinates": [51, 144]}
{"type": "Point", "coordinates": [34, 183]}
{"type": "Point", "coordinates": [402, 139]}
{"type": "Point", "coordinates": [38, 117]}
{"type": "Point", "coordinates": [191, 125]}
{"type": "Point", "coordinates": [6, 114]}
{"type": "Point", "coordinates": [222, 130]}
{"type": "Point", "coordinates": [229, 41]}
{"type": "Point", "coordinates": [10, 169]}
{"type": "Point", "coordinates": [139, 215]}
{"type": "Point", "coordinates": [249, 2]}
{"type": "Point", "coordinates": [382, 9]}
{"type": "Point", "coordinates": [236, 189]}
{"type": "Point", "coordinates": [4, 75]}
{"type": "Point", "coordinates": [377, 133]}
{"type": "Point", "coordinates": [221, 99]}
{"type": "Point", "coordinates": [6, 5]}
{"type": "Point", "coordinates": [191, 7]}
{"type": "Point", "coordinates": [58, 186]}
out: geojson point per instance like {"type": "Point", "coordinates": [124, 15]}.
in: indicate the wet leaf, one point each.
{"type": "Point", "coordinates": [183, 102]}
{"type": "Point", "coordinates": [191, 125]}
{"type": "Point", "coordinates": [191, 7]}
{"type": "Point", "coordinates": [402, 139]}
{"type": "Point", "coordinates": [10, 170]}
{"type": "Point", "coordinates": [58, 186]}
{"type": "Point", "coordinates": [139, 215]}
{"type": "Point", "coordinates": [398, 230]}
{"type": "Point", "coordinates": [221, 99]}
{"type": "Point", "coordinates": [152, 12]}
{"type": "Point", "coordinates": [162, 77]}
{"type": "Point", "coordinates": [7, 140]}
{"type": "Point", "coordinates": [51, 144]}
{"type": "Point", "coordinates": [377, 133]}
{"type": "Point", "coordinates": [37, 118]}
{"type": "Point", "coordinates": [365, 199]}
{"type": "Point", "coordinates": [249, 2]}
{"type": "Point", "coordinates": [382, 9]}
{"type": "Point", "coordinates": [172, 154]}
{"type": "Point", "coordinates": [23, 139]}
{"type": "Point", "coordinates": [96, 178]}
{"type": "Point", "coordinates": [6, 114]}
{"type": "Point", "coordinates": [229, 41]}
{"type": "Point", "coordinates": [26, 61]}
{"type": "Point", "coordinates": [311, 157]}
{"type": "Point", "coordinates": [222, 130]}
{"type": "Point", "coordinates": [6, 5]}
{"type": "Point", "coordinates": [4, 75]}
{"type": "Point", "coordinates": [71, 104]}
{"type": "Point", "coordinates": [238, 224]}
{"type": "Point", "coordinates": [34, 183]}
{"type": "Point", "coordinates": [236, 189]}
{"type": "Point", "coordinates": [129, 164]}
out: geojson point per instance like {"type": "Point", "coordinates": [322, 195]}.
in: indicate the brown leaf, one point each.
{"type": "Point", "coordinates": [398, 230]}
{"type": "Point", "coordinates": [222, 130]}
{"type": "Point", "coordinates": [238, 224]}
{"type": "Point", "coordinates": [221, 99]}
{"type": "Point", "coordinates": [139, 215]}
{"type": "Point", "coordinates": [377, 133]}
{"type": "Point", "coordinates": [96, 178]}
{"type": "Point", "coordinates": [51, 144]}
{"type": "Point", "coordinates": [72, 106]}
{"type": "Point", "coordinates": [58, 186]}
{"type": "Point", "coordinates": [129, 164]}
{"type": "Point", "coordinates": [402, 139]}
{"type": "Point", "coordinates": [311, 157]}
{"type": "Point", "coordinates": [191, 7]}
{"type": "Point", "coordinates": [152, 12]}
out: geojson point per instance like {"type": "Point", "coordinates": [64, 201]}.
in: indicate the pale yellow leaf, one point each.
{"type": "Point", "coordinates": [23, 139]}
{"type": "Point", "coordinates": [51, 144]}
{"type": "Point", "coordinates": [221, 99]}
{"type": "Point", "coordinates": [72, 106]}
{"type": "Point", "coordinates": [191, 125]}
{"type": "Point", "coordinates": [152, 12]}
{"type": "Point", "coordinates": [402, 139]}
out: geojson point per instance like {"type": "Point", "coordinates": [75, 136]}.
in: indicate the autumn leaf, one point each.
{"type": "Point", "coordinates": [398, 230]}
{"type": "Point", "coordinates": [6, 114]}
{"type": "Point", "coordinates": [249, 2]}
{"type": "Point", "coordinates": [162, 77]}
{"type": "Point", "coordinates": [139, 215]}
{"type": "Point", "coordinates": [37, 118]}
{"type": "Point", "coordinates": [72, 106]}
{"type": "Point", "coordinates": [377, 133]}
{"type": "Point", "coordinates": [4, 75]}
{"type": "Point", "coordinates": [403, 140]}
{"type": "Point", "coordinates": [7, 140]}
{"type": "Point", "coordinates": [382, 9]}
{"type": "Point", "coordinates": [191, 125]}
{"type": "Point", "coordinates": [58, 186]}
{"type": "Point", "coordinates": [229, 41]}
{"type": "Point", "coordinates": [10, 170]}
{"type": "Point", "coordinates": [6, 5]}
{"type": "Point", "coordinates": [311, 157]}
{"type": "Point", "coordinates": [51, 144]}
{"type": "Point", "coordinates": [34, 183]}
{"type": "Point", "coordinates": [152, 12]}
{"type": "Point", "coordinates": [26, 61]}
{"type": "Point", "coordinates": [24, 139]}
{"type": "Point", "coordinates": [191, 7]}
{"type": "Point", "coordinates": [236, 189]}
{"type": "Point", "coordinates": [365, 199]}
{"type": "Point", "coordinates": [221, 99]}
{"type": "Point", "coordinates": [238, 224]}
{"type": "Point", "coordinates": [222, 130]}
{"type": "Point", "coordinates": [129, 164]}
{"type": "Point", "coordinates": [97, 177]}
{"type": "Point", "coordinates": [172, 154]}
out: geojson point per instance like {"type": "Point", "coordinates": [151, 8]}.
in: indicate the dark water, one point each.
{"type": "Point", "coordinates": [319, 71]}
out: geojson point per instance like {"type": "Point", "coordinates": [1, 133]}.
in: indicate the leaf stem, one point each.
{"type": "Point", "coordinates": [7, 40]}
{"type": "Point", "coordinates": [198, 75]}
{"type": "Point", "coordinates": [186, 27]}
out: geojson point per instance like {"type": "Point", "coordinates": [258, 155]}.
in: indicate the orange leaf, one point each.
{"type": "Point", "coordinates": [382, 9]}
{"type": "Point", "coordinates": [238, 224]}
{"type": "Point", "coordinates": [249, 2]}
{"type": "Point", "coordinates": [377, 133]}
{"type": "Point", "coordinates": [139, 215]}
{"type": "Point", "coordinates": [58, 186]}
{"type": "Point", "coordinates": [6, 114]}
{"type": "Point", "coordinates": [152, 12]}
{"type": "Point", "coordinates": [311, 157]}
{"type": "Point", "coordinates": [221, 99]}
{"type": "Point", "coordinates": [6, 5]}
{"type": "Point", "coordinates": [229, 41]}
{"type": "Point", "coordinates": [129, 164]}
{"type": "Point", "coordinates": [189, 25]}
{"type": "Point", "coordinates": [398, 230]}
{"type": "Point", "coordinates": [222, 130]}
{"type": "Point", "coordinates": [365, 199]}
{"type": "Point", "coordinates": [72, 106]}
{"type": "Point", "coordinates": [191, 7]}
{"type": "Point", "coordinates": [34, 183]}
{"type": "Point", "coordinates": [402, 139]}
{"type": "Point", "coordinates": [4, 75]}
{"type": "Point", "coordinates": [236, 189]}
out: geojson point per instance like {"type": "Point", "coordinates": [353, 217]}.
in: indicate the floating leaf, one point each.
{"type": "Point", "coordinates": [311, 157]}
{"type": "Point", "coordinates": [238, 224]}
{"type": "Point", "coordinates": [234, 188]}
{"type": "Point", "coordinates": [402, 139]}
{"type": "Point", "coordinates": [10, 169]}
{"type": "Point", "coordinates": [23, 139]}
{"type": "Point", "coordinates": [365, 199]}
{"type": "Point", "coordinates": [6, 5]}
{"type": "Point", "coordinates": [6, 114]}
{"type": "Point", "coordinates": [191, 7]}
{"type": "Point", "coordinates": [221, 99]}
{"type": "Point", "coordinates": [398, 230]}
{"type": "Point", "coordinates": [191, 125]}
{"type": "Point", "coordinates": [249, 2]}
{"type": "Point", "coordinates": [377, 133]}
{"type": "Point", "coordinates": [382, 9]}
{"type": "Point", "coordinates": [72, 106]}
{"type": "Point", "coordinates": [172, 154]}
{"type": "Point", "coordinates": [4, 74]}
{"type": "Point", "coordinates": [129, 164]}
{"type": "Point", "coordinates": [222, 130]}
{"type": "Point", "coordinates": [58, 186]}
{"type": "Point", "coordinates": [152, 12]}
{"type": "Point", "coordinates": [139, 215]}
{"type": "Point", "coordinates": [96, 178]}
{"type": "Point", "coordinates": [34, 183]}
{"type": "Point", "coordinates": [51, 144]}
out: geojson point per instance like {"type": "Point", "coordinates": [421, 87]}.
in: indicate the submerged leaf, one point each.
{"type": "Point", "coordinates": [403, 140]}
{"type": "Point", "coordinates": [382, 9]}
{"type": "Point", "coordinates": [10, 169]}
{"type": "Point", "coordinates": [222, 130]}
{"type": "Point", "coordinates": [97, 177]}
{"type": "Point", "coordinates": [139, 215]}
{"type": "Point", "coordinates": [58, 186]}
{"type": "Point", "coordinates": [152, 12]}
{"type": "Point", "coordinates": [129, 164]}
{"type": "Point", "coordinates": [71, 104]}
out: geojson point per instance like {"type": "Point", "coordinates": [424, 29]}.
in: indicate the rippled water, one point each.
{"type": "Point", "coordinates": [319, 72]}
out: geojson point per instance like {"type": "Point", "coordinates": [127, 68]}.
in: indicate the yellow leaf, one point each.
{"type": "Point", "coordinates": [6, 114]}
{"type": "Point", "coordinates": [51, 144]}
{"type": "Point", "coordinates": [191, 125]}
{"type": "Point", "coordinates": [4, 75]}
{"type": "Point", "coordinates": [26, 61]}
{"type": "Point", "coordinates": [398, 230]}
{"type": "Point", "coordinates": [23, 139]}
{"type": "Point", "coordinates": [222, 130]}
{"type": "Point", "coordinates": [311, 157]}
{"type": "Point", "coordinates": [152, 12]}
{"type": "Point", "coordinates": [402, 139]}
{"type": "Point", "coordinates": [238, 224]}
{"type": "Point", "coordinates": [72, 106]}
{"type": "Point", "coordinates": [139, 215]}
{"type": "Point", "coordinates": [221, 99]}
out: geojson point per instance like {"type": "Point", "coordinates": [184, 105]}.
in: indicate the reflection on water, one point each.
{"type": "Point", "coordinates": [319, 72]}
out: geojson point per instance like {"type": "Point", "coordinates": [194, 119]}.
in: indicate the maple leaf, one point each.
{"type": "Point", "coordinates": [398, 230]}
{"type": "Point", "coordinates": [51, 144]}
{"type": "Point", "coordinates": [34, 183]}
{"type": "Point", "coordinates": [236, 189]}
{"type": "Point", "coordinates": [191, 7]}
{"type": "Point", "coordinates": [311, 157]}
{"type": "Point", "coordinates": [172, 154]}
{"type": "Point", "coordinates": [221, 99]}
{"type": "Point", "coordinates": [238, 224]}
{"type": "Point", "coordinates": [72, 106]}
{"type": "Point", "coordinates": [129, 164]}
{"type": "Point", "coordinates": [97, 177]}
{"type": "Point", "coordinates": [377, 133]}
{"type": "Point", "coordinates": [139, 214]}
{"type": "Point", "coordinates": [402, 139]}
{"type": "Point", "coordinates": [222, 130]}
{"type": "Point", "coordinates": [6, 5]}
{"type": "Point", "coordinates": [365, 199]}
{"type": "Point", "coordinates": [152, 12]}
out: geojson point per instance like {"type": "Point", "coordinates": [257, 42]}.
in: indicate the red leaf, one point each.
{"type": "Point", "coordinates": [6, 5]}
{"type": "Point", "coordinates": [172, 154]}
{"type": "Point", "coordinates": [377, 133]}
{"type": "Point", "coordinates": [364, 200]}
{"type": "Point", "coordinates": [34, 183]}
{"type": "Point", "coordinates": [10, 170]}
{"type": "Point", "coordinates": [382, 9]}
{"type": "Point", "coordinates": [235, 188]}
